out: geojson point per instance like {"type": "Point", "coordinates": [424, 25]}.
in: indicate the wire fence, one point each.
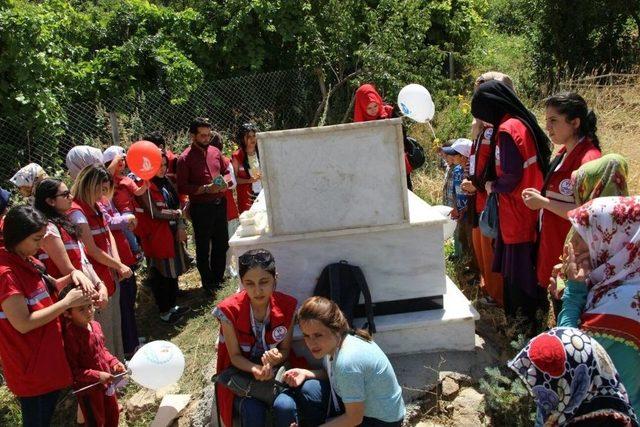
{"type": "Point", "coordinates": [275, 100]}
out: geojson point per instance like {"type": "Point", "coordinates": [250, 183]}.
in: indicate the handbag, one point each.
{"type": "Point", "coordinates": [488, 222]}
{"type": "Point", "coordinates": [243, 384]}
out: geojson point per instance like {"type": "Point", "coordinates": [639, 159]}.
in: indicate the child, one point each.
{"type": "Point", "coordinates": [458, 158]}
{"type": "Point", "coordinates": [91, 362]}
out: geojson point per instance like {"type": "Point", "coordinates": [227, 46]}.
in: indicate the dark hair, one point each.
{"type": "Point", "coordinates": [48, 189]}
{"type": "Point", "coordinates": [216, 141]}
{"type": "Point", "coordinates": [574, 106]}
{"type": "Point", "coordinates": [256, 258]}
{"type": "Point", "coordinates": [329, 314]}
{"type": "Point", "coordinates": [199, 122]}
{"type": "Point", "coordinates": [19, 223]}
{"type": "Point", "coordinates": [243, 131]}
{"type": "Point", "coordinates": [63, 293]}
{"type": "Point", "coordinates": [156, 137]}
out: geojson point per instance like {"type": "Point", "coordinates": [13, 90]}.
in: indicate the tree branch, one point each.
{"type": "Point", "coordinates": [324, 105]}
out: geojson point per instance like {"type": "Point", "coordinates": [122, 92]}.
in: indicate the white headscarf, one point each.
{"type": "Point", "coordinates": [80, 157]}
{"type": "Point", "coordinates": [28, 175]}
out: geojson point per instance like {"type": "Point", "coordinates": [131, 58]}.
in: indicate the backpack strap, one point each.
{"type": "Point", "coordinates": [334, 281]}
{"type": "Point", "coordinates": [362, 284]}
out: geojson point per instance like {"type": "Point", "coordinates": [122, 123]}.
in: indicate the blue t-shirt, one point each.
{"type": "Point", "coordinates": [361, 372]}
{"type": "Point", "coordinates": [460, 196]}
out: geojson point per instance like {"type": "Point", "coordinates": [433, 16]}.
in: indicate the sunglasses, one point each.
{"type": "Point", "coordinates": [263, 258]}
{"type": "Point", "coordinates": [64, 194]}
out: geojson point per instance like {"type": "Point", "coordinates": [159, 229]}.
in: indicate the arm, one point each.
{"type": "Point", "coordinates": [574, 300]}
{"type": "Point", "coordinates": [534, 201]}
{"type": "Point", "coordinates": [184, 187]}
{"type": "Point", "coordinates": [156, 213]}
{"type": "Point", "coordinates": [80, 374]}
{"type": "Point", "coordinates": [94, 251]}
{"type": "Point", "coordinates": [232, 176]}
{"type": "Point", "coordinates": [142, 189]}
{"type": "Point", "coordinates": [236, 167]}
{"type": "Point", "coordinates": [277, 356]}
{"type": "Point", "coordinates": [54, 248]}
{"type": "Point", "coordinates": [353, 415]}
{"type": "Point", "coordinates": [237, 359]}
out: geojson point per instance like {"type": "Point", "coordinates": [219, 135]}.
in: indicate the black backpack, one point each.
{"type": "Point", "coordinates": [414, 151]}
{"type": "Point", "coordinates": [343, 283]}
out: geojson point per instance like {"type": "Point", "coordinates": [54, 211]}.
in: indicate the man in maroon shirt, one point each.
{"type": "Point", "coordinates": [198, 167]}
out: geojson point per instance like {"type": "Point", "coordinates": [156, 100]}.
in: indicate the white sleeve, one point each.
{"type": "Point", "coordinates": [232, 175]}
{"type": "Point", "coordinates": [78, 217]}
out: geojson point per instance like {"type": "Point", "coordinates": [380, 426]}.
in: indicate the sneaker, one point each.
{"type": "Point", "coordinates": [180, 310]}
{"type": "Point", "coordinates": [170, 318]}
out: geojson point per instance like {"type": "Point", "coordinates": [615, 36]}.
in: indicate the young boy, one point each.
{"type": "Point", "coordinates": [457, 155]}
{"type": "Point", "coordinates": [91, 362]}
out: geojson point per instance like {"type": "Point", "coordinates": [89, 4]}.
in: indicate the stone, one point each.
{"type": "Point", "coordinates": [140, 403]}
{"type": "Point", "coordinates": [170, 407]}
{"type": "Point", "coordinates": [449, 388]}
{"type": "Point", "coordinates": [170, 389]}
{"type": "Point", "coordinates": [468, 408]}
{"type": "Point", "coordinates": [462, 379]}
{"type": "Point", "coordinates": [334, 177]}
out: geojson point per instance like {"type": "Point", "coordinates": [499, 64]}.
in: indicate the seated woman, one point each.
{"type": "Point", "coordinates": [31, 348]}
{"type": "Point", "coordinates": [603, 290]}
{"type": "Point", "coordinates": [359, 373]}
{"type": "Point", "coordinates": [256, 328]}
{"type": "Point", "coordinates": [573, 381]}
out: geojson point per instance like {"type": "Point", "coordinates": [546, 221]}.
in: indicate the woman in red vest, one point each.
{"type": "Point", "coordinates": [162, 230]}
{"type": "Point", "coordinates": [521, 158]}
{"type": "Point", "coordinates": [31, 349]}
{"type": "Point", "coordinates": [572, 126]}
{"type": "Point", "coordinates": [246, 165]}
{"type": "Point", "coordinates": [87, 212]}
{"type": "Point", "coordinates": [61, 252]}
{"type": "Point", "coordinates": [256, 328]}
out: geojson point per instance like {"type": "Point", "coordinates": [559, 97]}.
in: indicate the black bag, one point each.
{"type": "Point", "coordinates": [243, 384]}
{"type": "Point", "coordinates": [488, 222]}
{"type": "Point", "coordinates": [343, 283]}
{"type": "Point", "coordinates": [414, 151]}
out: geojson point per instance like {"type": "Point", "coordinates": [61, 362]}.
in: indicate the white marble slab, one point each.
{"type": "Point", "coordinates": [399, 261]}
{"type": "Point", "coordinates": [334, 177]}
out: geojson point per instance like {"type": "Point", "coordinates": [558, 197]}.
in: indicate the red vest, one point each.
{"type": "Point", "coordinates": [518, 223]}
{"type": "Point", "coordinates": [100, 233]}
{"type": "Point", "coordinates": [74, 252]}
{"type": "Point", "coordinates": [478, 158]}
{"type": "Point", "coordinates": [554, 229]}
{"type": "Point", "coordinates": [237, 309]}
{"type": "Point", "coordinates": [243, 191]}
{"type": "Point", "coordinates": [155, 235]}
{"type": "Point", "coordinates": [34, 363]}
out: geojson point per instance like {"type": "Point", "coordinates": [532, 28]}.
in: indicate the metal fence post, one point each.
{"type": "Point", "coordinates": [115, 132]}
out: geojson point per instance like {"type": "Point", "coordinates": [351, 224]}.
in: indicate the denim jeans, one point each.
{"type": "Point", "coordinates": [306, 405]}
{"type": "Point", "coordinates": [37, 411]}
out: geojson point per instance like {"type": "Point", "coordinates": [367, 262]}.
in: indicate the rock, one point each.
{"type": "Point", "coordinates": [170, 407]}
{"type": "Point", "coordinates": [141, 402]}
{"type": "Point", "coordinates": [468, 408]}
{"type": "Point", "coordinates": [462, 379]}
{"type": "Point", "coordinates": [170, 389]}
{"type": "Point", "coordinates": [449, 388]}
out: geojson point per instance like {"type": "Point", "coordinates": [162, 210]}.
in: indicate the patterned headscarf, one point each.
{"type": "Point", "coordinates": [572, 378]}
{"type": "Point", "coordinates": [611, 228]}
{"type": "Point", "coordinates": [28, 176]}
{"type": "Point", "coordinates": [606, 176]}
{"type": "Point", "coordinates": [80, 157]}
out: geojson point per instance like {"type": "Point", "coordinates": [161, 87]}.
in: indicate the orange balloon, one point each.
{"type": "Point", "coordinates": [144, 158]}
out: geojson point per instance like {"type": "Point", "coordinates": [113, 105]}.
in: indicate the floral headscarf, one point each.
{"type": "Point", "coordinates": [606, 176]}
{"type": "Point", "coordinates": [611, 228]}
{"type": "Point", "coordinates": [572, 378]}
{"type": "Point", "coordinates": [28, 176]}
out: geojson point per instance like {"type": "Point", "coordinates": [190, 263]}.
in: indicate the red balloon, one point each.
{"type": "Point", "coordinates": [144, 158]}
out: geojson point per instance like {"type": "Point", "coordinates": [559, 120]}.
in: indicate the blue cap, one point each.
{"type": "Point", "coordinates": [5, 195]}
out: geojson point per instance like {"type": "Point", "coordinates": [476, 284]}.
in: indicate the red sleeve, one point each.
{"type": "Point", "coordinates": [72, 349]}
{"type": "Point", "coordinates": [106, 356]}
{"type": "Point", "coordinates": [592, 154]}
{"type": "Point", "coordinates": [8, 286]}
{"type": "Point", "coordinates": [129, 184]}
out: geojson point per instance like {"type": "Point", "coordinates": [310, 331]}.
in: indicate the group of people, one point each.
{"type": "Point", "coordinates": [68, 258]}
{"type": "Point", "coordinates": [566, 240]}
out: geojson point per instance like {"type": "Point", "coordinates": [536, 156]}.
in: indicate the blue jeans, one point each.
{"type": "Point", "coordinates": [37, 411]}
{"type": "Point", "coordinates": [306, 406]}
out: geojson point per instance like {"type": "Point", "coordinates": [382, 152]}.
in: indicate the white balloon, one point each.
{"type": "Point", "coordinates": [415, 102]}
{"type": "Point", "coordinates": [157, 364]}
{"type": "Point", "coordinates": [450, 225]}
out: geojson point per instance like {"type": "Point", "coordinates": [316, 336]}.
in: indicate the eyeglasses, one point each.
{"type": "Point", "coordinates": [64, 194]}
{"type": "Point", "coordinates": [261, 257]}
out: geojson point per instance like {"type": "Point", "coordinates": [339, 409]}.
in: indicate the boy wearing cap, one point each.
{"type": "Point", "coordinates": [457, 155]}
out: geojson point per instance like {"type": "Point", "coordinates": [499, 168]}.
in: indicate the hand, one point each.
{"type": "Point", "coordinates": [454, 214]}
{"type": "Point", "coordinates": [488, 186]}
{"type": "Point", "coordinates": [119, 368]}
{"type": "Point", "coordinates": [124, 271]}
{"type": "Point", "coordinates": [575, 270]}
{"type": "Point", "coordinates": [468, 186]}
{"type": "Point", "coordinates": [81, 281]}
{"type": "Point", "coordinates": [293, 425]}
{"type": "Point", "coordinates": [145, 186]}
{"type": "Point", "coordinates": [272, 357]}
{"type": "Point", "coordinates": [533, 199]}
{"type": "Point", "coordinates": [76, 298]}
{"type": "Point", "coordinates": [103, 297]}
{"type": "Point", "coordinates": [181, 235]}
{"type": "Point", "coordinates": [262, 373]}
{"type": "Point", "coordinates": [132, 222]}
{"type": "Point", "coordinates": [105, 377]}
{"type": "Point", "coordinates": [295, 377]}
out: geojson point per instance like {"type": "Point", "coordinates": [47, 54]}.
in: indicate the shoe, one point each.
{"type": "Point", "coordinates": [170, 318]}
{"type": "Point", "coordinates": [180, 310]}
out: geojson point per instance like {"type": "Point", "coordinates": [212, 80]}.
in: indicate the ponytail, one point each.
{"type": "Point", "coordinates": [589, 127]}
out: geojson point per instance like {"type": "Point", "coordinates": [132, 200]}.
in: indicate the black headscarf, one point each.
{"type": "Point", "coordinates": [492, 100]}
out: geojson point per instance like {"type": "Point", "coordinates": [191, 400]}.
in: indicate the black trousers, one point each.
{"type": "Point", "coordinates": [165, 290]}
{"type": "Point", "coordinates": [212, 240]}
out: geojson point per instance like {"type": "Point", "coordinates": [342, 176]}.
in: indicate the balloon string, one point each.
{"type": "Point", "coordinates": [150, 205]}
{"type": "Point", "coordinates": [432, 131]}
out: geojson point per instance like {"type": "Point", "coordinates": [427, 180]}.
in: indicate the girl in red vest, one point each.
{"type": "Point", "coordinates": [61, 252]}
{"type": "Point", "coordinates": [256, 328]}
{"type": "Point", "coordinates": [572, 126]}
{"type": "Point", "coordinates": [162, 230]}
{"type": "Point", "coordinates": [521, 158]}
{"type": "Point", "coordinates": [87, 212]}
{"type": "Point", "coordinates": [246, 165]}
{"type": "Point", "coordinates": [34, 362]}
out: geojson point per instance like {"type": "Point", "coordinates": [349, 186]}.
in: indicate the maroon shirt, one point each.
{"type": "Point", "coordinates": [198, 167]}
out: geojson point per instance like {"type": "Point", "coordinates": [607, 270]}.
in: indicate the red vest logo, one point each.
{"type": "Point", "coordinates": [566, 187]}
{"type": "Point", "coordinates": [279, 333]}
